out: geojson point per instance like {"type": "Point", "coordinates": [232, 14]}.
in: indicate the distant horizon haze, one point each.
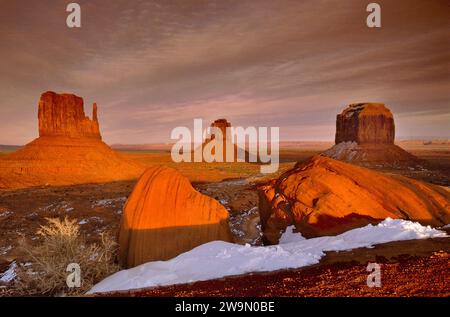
{"type": "Point", "coordinates": [400, 139]}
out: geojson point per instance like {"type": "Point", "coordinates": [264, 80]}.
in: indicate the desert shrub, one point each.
{"type": "Point", "coordinates": [62, 244]}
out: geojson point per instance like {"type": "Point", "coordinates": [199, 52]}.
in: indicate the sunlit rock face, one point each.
{"type": "Point", "coordinates": [165, 216]}
{"type": "Point", "coordinates": [63, 115]}
{"type": "Point", "coordinates": [69, 150]}
{"type": "Point", "coordinates": [326, 197]}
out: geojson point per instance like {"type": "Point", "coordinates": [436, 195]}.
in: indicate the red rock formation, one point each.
{"type": "Point", "coordinates": [68, 151]}
{"type": "Point", "coordinates": [228, 144]}
{"type": "Point", "coordinates": [63, 115]}
{"type": "Point", "coordinates": [326, 197]}
{"type": "Point", "coordinates": [365, 135]}
{"type": "Point", "coordinates": [223, 125]}
{"type": "Point", "coordinates": [166, 216]}
{"type": "Point", "coordinates": [365, 123]}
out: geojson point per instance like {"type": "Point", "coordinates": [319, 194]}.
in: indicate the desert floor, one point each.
{"type": "Point", "coordinates": [98, 208]}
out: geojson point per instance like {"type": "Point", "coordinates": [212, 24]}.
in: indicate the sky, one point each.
{"type": "Point", "coordinates": [155, 65]}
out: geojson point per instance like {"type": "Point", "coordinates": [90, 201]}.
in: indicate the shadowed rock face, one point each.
{"type": "Point", "coordinates": [365, 123]}
{"type": "Point", "coordinates": [365, 134]}
{"type": "Point", "coordinates": [222, 124]}
{"type": "Point", "coordinates": [326, 197]}
{"type": "Point", "coordinates": [165, 216]}
{"type": "Point", "coordinates": [63, 115]}
{"type": "Point", "coordinates": [227, 144]}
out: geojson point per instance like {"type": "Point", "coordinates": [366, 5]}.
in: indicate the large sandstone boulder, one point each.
{"type": "Point", "coordinates": [68, 151]}
{"type": "Point", "coordinates": [365, 134]}
{"type": "Point", "coordinates": [165, 216]}
{"type": "Point", "coordinates": [326, 197]}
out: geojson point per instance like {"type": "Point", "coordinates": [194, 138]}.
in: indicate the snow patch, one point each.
{"type": "Point", "coordinates": [289, 236]}
{"type": "Point", "coordinates": [108, 202]}
{"type": "Point", "coordinates": [4, 250]}
{"type": "Point", "coordinates": [219, 259]}
{"type": "Point", "coordinates": [9, 274]}
{"type": "Point", "coordinates": [58, 206]}
{"type": "Point", "coordinates": [5, 213]}
{"type": "Point", "coordinates": [32, 214]}
{"type": "Point", "coordinates": [91, 219]}
{"type": "Point", "coordinates": [343, 149]}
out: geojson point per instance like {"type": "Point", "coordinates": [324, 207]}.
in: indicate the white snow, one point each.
{"type": "Point", "coordinates": [85, 221]}
{"type": "Point", "coordinates": [9, 274]}
{"type": "Point", "coordinates": [59, 206]}
{"type": "Point", "coordinates": [446, 226]}
{"type": "Point", "coordinates": [108, 202]}
{"type": "Point", "coordinates": [343, 149]}
{"type": "Point", "coordinates": [219, 259]}
{"type": "Point", "coordinates": [6, 213]}
{"type": "Point", "coordinates": [5, 249]}
{"type": "Point", "coordinates": [289, 236]}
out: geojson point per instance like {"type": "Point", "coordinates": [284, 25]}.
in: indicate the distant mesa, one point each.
{"type": "Point", "coordinates": [365, 123]}
{"type": "Point", "coordinates": [223, 125]}
{"type": "Point", "coordinates": [327, 197]}
{"type": "Point", "coordinates": [227, 144]}
{"type": "Point", "coordinates": [165, 216]}
{"type": "Point", "coordinates": [365, 135]}
{"type": "Point", "coordinates": [69, 150]}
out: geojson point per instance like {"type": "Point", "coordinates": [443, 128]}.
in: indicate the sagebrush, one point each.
{"type": "Point", "coordinates": [61, 245]}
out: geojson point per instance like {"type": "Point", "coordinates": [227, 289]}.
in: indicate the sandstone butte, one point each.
{"type": "Point", "coordinates": [69, 150]}
{"type": "Point", "coordinates": [63, 115]}
{"type": "Point", "coordinates": [165, 216]}
{"type": "Point", "coordinates": [365, 134]}
{"type": "Point", "coordinates": [323, 196]}
{"type": "Point", "coordinates": [365, 123]}
{"type": "Point", "coordinates": [227, 142]}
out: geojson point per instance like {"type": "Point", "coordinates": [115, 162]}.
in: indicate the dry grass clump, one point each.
{"type": "Point", "coordinates": [62, 244]}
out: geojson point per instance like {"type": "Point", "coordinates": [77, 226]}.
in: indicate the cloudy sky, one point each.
{"type": "Point", "coordinates": [155, 65]}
